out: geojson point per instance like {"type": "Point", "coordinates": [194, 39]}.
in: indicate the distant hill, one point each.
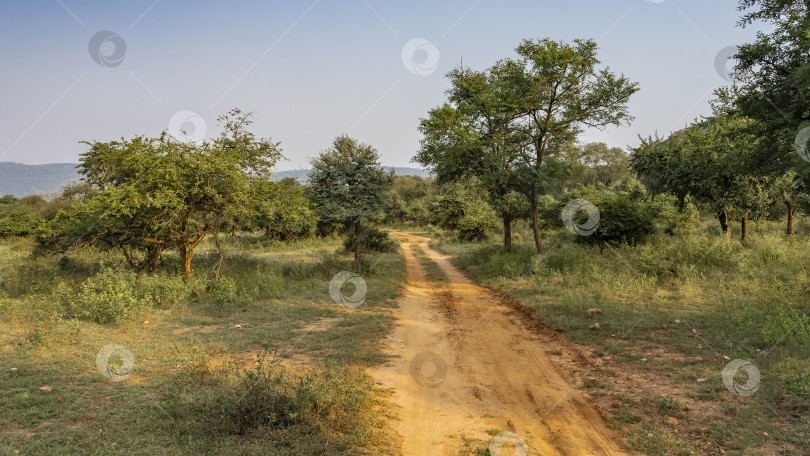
{"type": "Point", "coordinates": [22, 180]}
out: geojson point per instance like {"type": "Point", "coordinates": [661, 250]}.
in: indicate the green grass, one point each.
{"type": "Point", "coordinates": [433, 271]}
{"type": "Point", "coordinates": [195, 355]}
{"type": "Point", "coordinates": [672, 309]}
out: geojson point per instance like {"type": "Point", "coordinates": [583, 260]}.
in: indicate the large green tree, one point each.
{"type": "Point", "coordinates": [473, 134]}
{"type": "Point", "coordinates": [349, 186]}
{"type": "Point", "coordinates": [559, 89]}
{"type": "Point", "coordinates": [159, 193]}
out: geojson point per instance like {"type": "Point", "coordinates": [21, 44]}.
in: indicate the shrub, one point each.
{"type": "Point", "coordinates": [240, 400]}
{"type": "Point", "coordinates": [477, 223]}
{"type": "Point", "coordinates": [15, 220]}
{"type": "Point", "coordinates": [622, 220]}
{"type": "Point", "coordinates": [109, 296]}
{"type": "Point", "coordinates": [373, 239]}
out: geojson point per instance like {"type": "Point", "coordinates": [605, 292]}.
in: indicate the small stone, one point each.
{"type": "Point", "coordinates": [727, 358]}
{"type": "Point", "coordinates": [13, 369]}
{"type": "Point", "coordinates": [672, 420]}
{"type": "Point", "coordinates": [650, 435]}
{"type": "Point", "coordinates": [146, 322]}
{"type": "Point", "coordinates": [643, 360]}
{"type": "Point", "coordinates": [765, 434]}
{"type": "Point", "coordinates": [694, 331]}
{"type": "Point", "coordinates": [700, 347]}
{"type": "Point", "coordinates": [616, 404]}
{"type": "Point", "coordinates": [45, 389]}
{"type": "Point", "coordinates": [594, 326]}
{"type": "Point", "coordinates": [677, 322]}
{"type": "Point", "coordinates": [613, 335]}
{"type": "Point", "coordinates": [593, 311]}
{"type": "Point", "coordinates": [237, 326]}
{"type": "Point", "coordinates": [701, 380]}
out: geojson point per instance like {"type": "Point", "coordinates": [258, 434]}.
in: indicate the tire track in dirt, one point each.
{"type": "Point", "coordinates": [465, 363]}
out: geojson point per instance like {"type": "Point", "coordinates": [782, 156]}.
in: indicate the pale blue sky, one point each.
{"type": "Point", "coordinates": [313, 70]}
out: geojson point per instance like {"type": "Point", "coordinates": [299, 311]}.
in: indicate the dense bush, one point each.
{"type": "Point", "coordinates": [15, 219]}
{"type": "Point", "coordinates": [477, 223]}
{"type": "Point", "coordinates": [109, 296]}
{"type": "Point", "coordinates": [625, 216]}
{"type": "Point", "coordinates": [461, 206]}
{"type": "Point", "coordinates": [373, 240]}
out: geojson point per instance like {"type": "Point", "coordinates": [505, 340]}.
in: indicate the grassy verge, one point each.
{"type": "Point", "coordinates": [261, 361]}
{"type": "Point", "coordinates": [673, 314]}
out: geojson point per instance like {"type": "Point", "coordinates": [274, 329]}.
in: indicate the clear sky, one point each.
{"type": "Point", "coordinates": [312, 70]}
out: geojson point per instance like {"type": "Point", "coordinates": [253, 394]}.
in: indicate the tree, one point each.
{"type": "Point", "coordinates": [594, 163]}
{"type": "Point", "coordinates": [472, 135]}
{"type": "Point", "coordinates": [349, 186]}
{"type": "Point", "coordinates": [558, 90]}
{"type": "Point", "coordinates": [714, 161]}
{"type": "Point", "coordinates": [777, 75]}
{"type": "Point", "coordinates": [408, 199]}
{"type": "Point", "coordinates": [282, 210]}
{"type": "Point", "coordinates": [158, 193]}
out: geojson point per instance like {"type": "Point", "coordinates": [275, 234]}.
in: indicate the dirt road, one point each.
{"type": "Point", "coordinates": [467, 366]}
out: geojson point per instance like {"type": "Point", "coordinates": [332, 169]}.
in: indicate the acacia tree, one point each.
{"type": "Point", "coordinates": [349, 186]}
{"type": "Point", "coordinates": [473, 135]}
{"type": "Point", "coordinates": [559, 90]}
{"type": "Point", "coordinates": [158, 193]}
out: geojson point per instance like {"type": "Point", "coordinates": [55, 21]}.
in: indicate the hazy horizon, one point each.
{"type": "Point", "coordinates": [314, 70]}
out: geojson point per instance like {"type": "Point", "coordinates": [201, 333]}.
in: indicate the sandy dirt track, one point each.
{"type": "Point", "coordinates": [465, 363]}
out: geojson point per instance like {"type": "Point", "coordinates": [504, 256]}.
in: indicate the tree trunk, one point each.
{"type": "Point", "coordinates": [507, 231]}
{"type": "Point", "coordinates": [506, 216]}
{"type": "Point", "coordinates": [358, 252]}
{"type": "Point", "coordinates": [185, 259]}
{"type": "Point", "coordinates": [791, 217]}
{"type": "Point", "coordinates": [697, 215]}
{"type": "Point", "coordinates": [536, 223]}
{"type": "Point", "coordinates": [744, 227]}
{"type": "Point", "coordinates": [723, 216]}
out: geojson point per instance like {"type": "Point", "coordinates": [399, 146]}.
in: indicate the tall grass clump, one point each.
{"type": "Point", "coordinates": [267, 396]}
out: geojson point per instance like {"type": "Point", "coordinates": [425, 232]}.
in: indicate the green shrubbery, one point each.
{"type": "Point", "coordinates": [115, 295]}
{"type": "Point", "coordinates": [461, 207]}
{"type": "Point", "coordinates": [626, 216]}
{"type": "Point", "coordinates": [373, 240]}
